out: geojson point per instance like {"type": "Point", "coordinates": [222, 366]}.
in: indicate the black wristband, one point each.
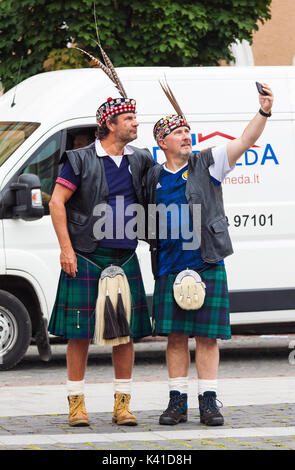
{"type": "Point", "coordinates": [264, 114]}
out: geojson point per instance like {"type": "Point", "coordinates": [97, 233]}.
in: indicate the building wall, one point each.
{"type": "Point", "coordinates": [274, 42]}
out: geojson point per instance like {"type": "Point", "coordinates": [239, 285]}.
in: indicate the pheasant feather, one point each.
{"type": "Point", "coordinates": [168, 92]}
{"type": "Point", "coordinates": [112, 74]}
{"type": "Point", "coordinates": [97, 61]}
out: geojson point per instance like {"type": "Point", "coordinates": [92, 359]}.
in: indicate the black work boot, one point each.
{"type": "Point", "coordinates": [177, 409]}
{"type": "Point", "coordinates": [209, 410]}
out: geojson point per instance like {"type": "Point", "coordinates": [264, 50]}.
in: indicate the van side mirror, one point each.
{"type": "Point", "coordinates": [28, 197]}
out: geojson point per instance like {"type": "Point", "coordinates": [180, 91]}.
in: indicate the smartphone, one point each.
{"type": "Point", "coordinates": [260, 90]}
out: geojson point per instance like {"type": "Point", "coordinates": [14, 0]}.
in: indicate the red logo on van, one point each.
{"type": "Point", "coordinates": [221, 134]}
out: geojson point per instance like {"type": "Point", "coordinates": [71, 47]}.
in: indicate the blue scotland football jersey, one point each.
{"type": "Point", "coordinates": [171, 193]}
{"type": "Point", "coordinates": [175, 225]}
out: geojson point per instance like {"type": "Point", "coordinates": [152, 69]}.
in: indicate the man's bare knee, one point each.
{"type": "Point", "coordinates": [177, 341]}
{"type": "Point", "coordinates": [206, 342]}
{"type": "Point", "coordinates": [78, 343]}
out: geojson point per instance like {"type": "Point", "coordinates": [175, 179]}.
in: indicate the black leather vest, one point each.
{"type": "Point", "coordinates": [93, 190]}
{"type": "Point", "coordinates": [215, 243]}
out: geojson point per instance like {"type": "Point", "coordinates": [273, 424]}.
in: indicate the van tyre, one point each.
{"type": "Point", "coordinates": [15, 330]}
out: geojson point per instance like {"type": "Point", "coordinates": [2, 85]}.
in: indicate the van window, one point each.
{"type": "Point", "coordinates": [78, 137]}
{"type": "Point", "coordinates": [44, 163]}
{"type": "Point", "coordinates": [12, 135]}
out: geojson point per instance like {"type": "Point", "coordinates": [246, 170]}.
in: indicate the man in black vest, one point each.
{"type": "Point", "coordinates": [192, 181]}
{"type": "Point", "coordinates": [91, 177]}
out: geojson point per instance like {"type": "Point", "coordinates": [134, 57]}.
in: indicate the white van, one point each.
{"type": "Point", "coordinates": [38, 121]}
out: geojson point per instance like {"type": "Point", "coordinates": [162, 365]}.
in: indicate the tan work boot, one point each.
{"type": "Point", "coordinates": [122, 414]}
{"type": "Point", "coordinates": [77, 411]}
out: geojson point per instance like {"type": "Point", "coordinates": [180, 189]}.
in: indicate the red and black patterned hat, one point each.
{"type": "Point", "coordinates": [167, 124]}
{"type": "Point", "coordinates": [114, 107]}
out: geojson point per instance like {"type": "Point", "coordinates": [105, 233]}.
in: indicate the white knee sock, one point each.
{"type": "Point", "coordinates": [75, 387]}
{"type": "Point", "coordinates": [122, 386]}
{"type": "Point", "coordinates": [178, 383]}
{"type": "Point", "coordinates": [206, 385]}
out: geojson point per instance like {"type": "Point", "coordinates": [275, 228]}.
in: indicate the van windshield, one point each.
{"type": "Point", "coordinates": [12, 135]}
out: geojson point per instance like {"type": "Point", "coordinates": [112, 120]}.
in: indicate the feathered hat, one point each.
{"type": "Point", "coordinates": [169, 123]}
{"type": "Point", "coordinates": [113, 106]}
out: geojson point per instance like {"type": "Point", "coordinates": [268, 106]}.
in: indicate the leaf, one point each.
{"type": "Point", "coordinates": [133, 33]}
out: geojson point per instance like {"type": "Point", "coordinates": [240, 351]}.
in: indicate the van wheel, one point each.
{"type": "Point", "coordinates": [15, 330]}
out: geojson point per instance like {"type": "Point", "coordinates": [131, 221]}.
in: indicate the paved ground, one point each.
{"type": "Point", "coordinates": [259, 409]}
{"type": "Point", "coordinates": [269, 427]}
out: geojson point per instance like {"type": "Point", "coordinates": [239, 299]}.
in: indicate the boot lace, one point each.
{"type": "Point", "coordinates": [210, 403]}
{"type": "Point", "coordinates": [174, 403]}
{"type": "Point", "coordinates": [77, 404]}
{"type": "Point", "coordinates": [123, 403]}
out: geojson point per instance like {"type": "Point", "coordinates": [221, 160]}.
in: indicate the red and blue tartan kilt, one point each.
{"type": "Point", "coordinates": [211, 320]}
{"type": "Point", "coordinates": [73, 315]}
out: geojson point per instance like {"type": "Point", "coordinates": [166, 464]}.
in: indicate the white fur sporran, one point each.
{"type": "Point", "coordinates": [113, 281]}
{"type": "Point", "coordinates": [114, 299]}
{"type": "Point", "coordinates": [189, 290]}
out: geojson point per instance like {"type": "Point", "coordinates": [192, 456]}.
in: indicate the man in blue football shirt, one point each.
{"type": "Point", "coordinates": [193, 180]}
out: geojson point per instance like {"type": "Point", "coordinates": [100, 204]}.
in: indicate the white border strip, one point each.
{"type": "Point", "coordinates": [21, 440]}
{"type": "Point", "coordinates": [51, 399]}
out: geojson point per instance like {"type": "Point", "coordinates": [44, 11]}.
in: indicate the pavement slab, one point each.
{"type": "Point", "coordinates": [252, 427]}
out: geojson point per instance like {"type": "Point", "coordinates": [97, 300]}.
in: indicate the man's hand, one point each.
{"type": "Point", "coordinates": [266, 101]}
{"type": "Point", "coordinates": [68, 261]}
{"type": "Point", "coordinates": [253, 131]}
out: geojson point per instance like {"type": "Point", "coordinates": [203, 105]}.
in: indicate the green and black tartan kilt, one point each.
{"type": "Point", "coordinates": [73, 315]}
{"type": "Point", "coordinates": [211, 320]}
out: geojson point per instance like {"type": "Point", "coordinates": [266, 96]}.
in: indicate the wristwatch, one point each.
{"type": "Point", "coordinates": [264, 114]}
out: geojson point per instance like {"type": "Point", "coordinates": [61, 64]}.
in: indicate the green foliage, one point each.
{"type": "Point", "coordinates": [59, 59]}
{"type": "Point", "coordinates": [133, 33]}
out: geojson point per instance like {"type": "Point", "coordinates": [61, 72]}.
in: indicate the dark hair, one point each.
{"type": "Point", "coordinates": [103, 131]}
{"type": "Point", "coordinates": [84, 133]}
